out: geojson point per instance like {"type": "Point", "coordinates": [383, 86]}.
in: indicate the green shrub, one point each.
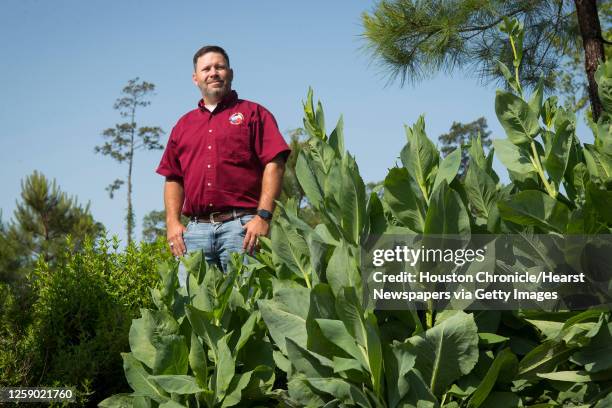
{"type": "Point", "coordinates": [80, 317]}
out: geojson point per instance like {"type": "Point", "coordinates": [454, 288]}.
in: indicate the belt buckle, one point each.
{"type": "Point", "coordinates": [212, 217]}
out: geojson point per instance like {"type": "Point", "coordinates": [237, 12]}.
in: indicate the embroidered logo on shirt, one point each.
{"type": "Point", "coordinates": [236, 118]}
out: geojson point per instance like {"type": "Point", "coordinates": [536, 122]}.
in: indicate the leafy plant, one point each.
{"type": "Point", "coordinates": [299, 303]}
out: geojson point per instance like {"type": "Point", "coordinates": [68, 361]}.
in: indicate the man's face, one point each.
{"type": "Point", "coordinates": [213, 76]}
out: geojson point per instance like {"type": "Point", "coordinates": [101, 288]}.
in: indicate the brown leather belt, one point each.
{"type": "Point", "coordinates": [218, 217]}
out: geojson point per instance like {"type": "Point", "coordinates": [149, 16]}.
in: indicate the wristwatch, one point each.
{"type": "Point", "coordinates": [265, 214]}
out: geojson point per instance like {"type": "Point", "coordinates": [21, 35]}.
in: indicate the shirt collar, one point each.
{"type": "Point", "coordinates": [229, 99]}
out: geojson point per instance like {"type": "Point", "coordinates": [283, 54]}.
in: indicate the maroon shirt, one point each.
{"type": "Point", "coordinates": [220, 155]}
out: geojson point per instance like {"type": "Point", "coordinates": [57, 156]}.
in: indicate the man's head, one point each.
{"type": "Point", "coordinates": [212, 73]}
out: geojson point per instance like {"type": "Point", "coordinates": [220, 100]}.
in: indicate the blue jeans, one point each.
{"type": "Point", "coordinates": [217, 240]}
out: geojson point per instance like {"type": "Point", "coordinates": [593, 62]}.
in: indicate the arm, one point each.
{"type": "Point", "coordinates": [174, 194]}
{"type": "Point", "coordinates": [271, 185]}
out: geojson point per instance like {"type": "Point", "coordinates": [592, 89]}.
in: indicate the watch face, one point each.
{"type": "Point", "coordinates": [265, 214]}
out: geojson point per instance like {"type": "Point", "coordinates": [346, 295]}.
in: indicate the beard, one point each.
{"type": "Point", "coordinates": [217, 93]}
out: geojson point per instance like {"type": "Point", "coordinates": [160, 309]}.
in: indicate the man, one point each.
{"type": "Point", "coordinates": [223, 164]}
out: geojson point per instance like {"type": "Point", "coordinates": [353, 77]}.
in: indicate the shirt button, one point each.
{"type": "Point", "coordinates": [209, 147]}
{"type": "Point", "coordinates": [209, 130]}
{"type": "Point", "coordinates": [209, 184]}
{"type": "Point", "coordinates": [208, 166]}
{"type": "Point", "coordinates": [210, 205]}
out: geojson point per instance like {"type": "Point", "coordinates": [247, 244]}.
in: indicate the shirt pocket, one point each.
{"type": "Point", "coordinates": [235, 143]}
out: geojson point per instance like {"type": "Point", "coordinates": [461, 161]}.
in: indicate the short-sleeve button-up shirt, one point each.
{"type": "Point", "coordinates": [220, 156]}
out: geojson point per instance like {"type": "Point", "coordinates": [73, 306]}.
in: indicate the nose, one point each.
{"type": "Point", "coordinates": [213, 72]}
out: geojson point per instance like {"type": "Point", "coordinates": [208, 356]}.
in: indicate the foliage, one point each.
{"type": "Point", "coordinates": [42, 220]}
{"type": "Point", "coordinates": [415, 40]}
{"type": "Point", "coordinates": [154, 226]}
{"type": "Point", "coordinates": [78, 316]}
{"type": "Point", "coordinates": [301, 303]}
{"type": "Point", "coordinates": [125, 138]}
{"type": "Point", "coordinates": [204, 344]}
{"type": "Point", "coordinates": [460, 135]}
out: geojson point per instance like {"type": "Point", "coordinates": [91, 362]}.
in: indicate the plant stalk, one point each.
{"type": "Point", "coordinates": [538, 165]}
{"type": "Point", "coordinates": [516, 66]}
{"type": "Point", "coordinates": [429, 316]}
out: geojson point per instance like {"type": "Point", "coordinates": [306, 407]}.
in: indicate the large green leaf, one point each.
{"type": "Point", "coordinates": [352, 200]}
{"type": "Point", "coordinates": [225, 368]}
{"type": "Point", "coordinates": [177, 384]}
{"type": "Point", "coordinates": [420, 395]}
{"type": "Point", "coordinates": [336, 332]}
{"type": "Point", "coordinates": [351, 313]}
{"type": "Point", "coordinates": [308, 180]}
{"type": "Point", "coordinates": [600, 199]}
{"type": "Point", "coordinates": [336, 138]}
{"type": "Point", "coordinates": [377, 221]}
{"type": "Point", "coordinates": [558, 148]}
{"type": "Point", "coordinates": [290, 249]}
{"type": "Point", "coordinates": [532, 207]}
{"type": "Point", "coordinates": [598, 164]}
{"type": "Point", "coordinates": [448, 168]}
{"type": "Point", "coordinates": [515, 158]}
{"type": "Point", "coordinates": [576, 376]}
{"type": "Point", "coordinates": [516, 117]}
{"type": "Point", "coordinates": [543, 359]}
{"type": "Point", "coordinates": [446, 213]}
{"type": "Point", "coordinates": [234, 394]}
{"type": "Point", "coordinates": [201, 323]}
{"type": "Point", "coordinates": [505, 360]}
{"type": "Point", "coordinates": [155, 340]}
{"type": "Point", "coordinates": [535, 102]}
{"type": "Point", "coordinates": [603, 75]}
{"type": "Point", "coordinates": [198, 360]}
{"type": "Point", "coordinates": [308, 363]}
{"type": "Point", "coordinates": [375, 354]}
{"type": "Point", "coordinates": [597, 355]}
{"type": "Point", "coordinates": [481, 190]}
{"type": "Point", "coordinates": [398, 361]}
{"type": "Point", "coordinates": [446, 351]}
{"type": "Point", "coordinates": [118, 401]}
{"type": "Point", "coordinates": [303, 394]}
{"type": "Point", "coordinates": [342, 270]}
{"type": "Point", "coordinates": [420, 155]}
{"type": "Point", "coordinates": [404, 203]}
{"type": "Point", "coordinates": [342, 390]}
{"type": "Point", "coordinates": [476, 152]}
{"type": "Point", "coordinates": [138, 379]}
{"type": "Point", "coordinates": [285, 316]}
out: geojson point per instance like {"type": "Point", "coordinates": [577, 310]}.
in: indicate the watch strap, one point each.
{"type": "Point", "coordinates": [265, 214]}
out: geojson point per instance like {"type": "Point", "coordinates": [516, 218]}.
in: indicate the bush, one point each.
{"type": "Point", "coordinates": [80, 317]}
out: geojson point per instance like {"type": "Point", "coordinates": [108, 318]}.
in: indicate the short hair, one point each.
{"type": "Point", "coordinates": [210, 48]}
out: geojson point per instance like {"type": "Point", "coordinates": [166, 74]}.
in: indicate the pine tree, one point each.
{"type": "Point", "coordinates": [127, 137]}
{"type": "Point", "coordinates": [416, 39]}
{"type": "Point", "coordinates": [43, 219]}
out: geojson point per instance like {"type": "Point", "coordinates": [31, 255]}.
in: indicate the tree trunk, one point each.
{"type": "Point", "coordinates": [592, 41]}
{"type": "Point", "coordinates": [130, 210]}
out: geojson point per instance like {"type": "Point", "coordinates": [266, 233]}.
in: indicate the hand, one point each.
{"type": "Point", "coordinates": [254, 229]}
{"type": "Point", "coordinates": [175, 238]}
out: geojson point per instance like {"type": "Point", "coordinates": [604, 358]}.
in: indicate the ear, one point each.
{"type": "Point", "coordinates": [231, 74]}
{"type": "Point", "coordinates": [194, 78]}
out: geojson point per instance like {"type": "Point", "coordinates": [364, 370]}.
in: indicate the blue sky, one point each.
{"type": "Point", "coordinates": [65, 62]}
